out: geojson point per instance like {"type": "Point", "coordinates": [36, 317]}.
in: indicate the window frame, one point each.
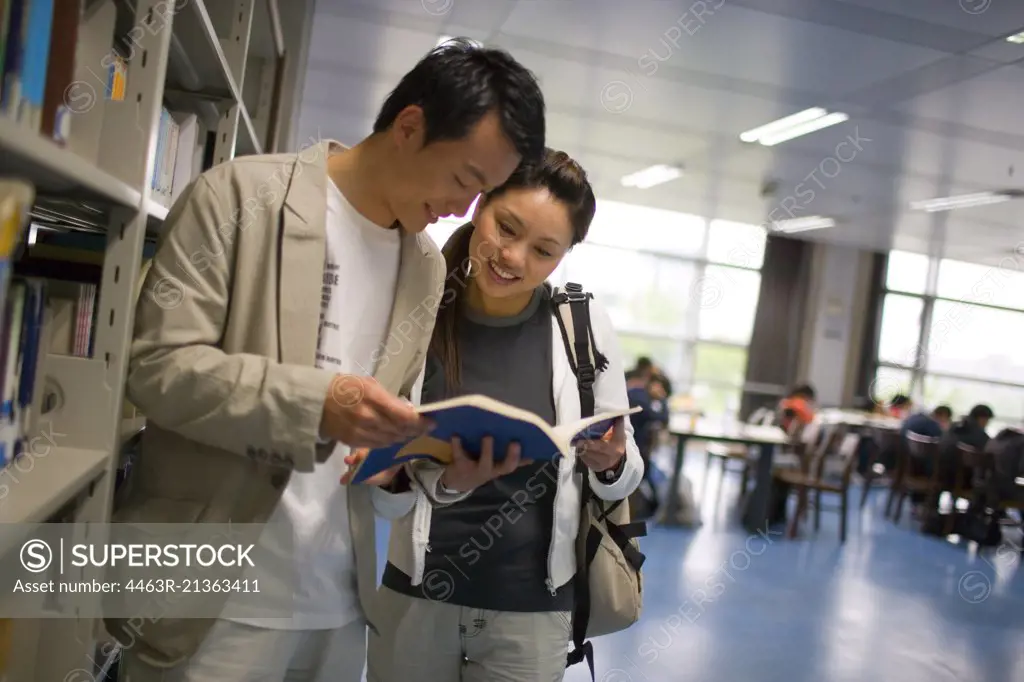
{"type": "Point", "coordinates": [919, 369]}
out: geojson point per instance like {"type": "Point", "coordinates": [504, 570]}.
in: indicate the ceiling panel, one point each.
{"type": "Point", "coordinates": [993, 100]}
{"type": "Point", "coordinates": [990, 17]}
{"type": "Point", "coordinates": [933, 94]}
{"type": "Point", "coordinates": [731, 41]}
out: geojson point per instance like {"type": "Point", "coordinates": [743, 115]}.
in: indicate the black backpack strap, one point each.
{"type": "Point", "coordinates": [572, 310]}
{"type": "Point", "coordinates": [578, 337]}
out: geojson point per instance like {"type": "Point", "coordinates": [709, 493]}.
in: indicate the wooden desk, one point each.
{"type": "Point", "coordinates": [685, 430]}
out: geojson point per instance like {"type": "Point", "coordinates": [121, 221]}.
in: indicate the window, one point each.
{"type": "Point", "coordinates": [975, 283]}
{"type": "Point", "coordinates": [888, 382]}
{"type": "Point", "coordinates": [736, 244]}
{"type": "Point", "coordinates": [976, 342]}
{"type": "Point", "coordinates": [642, 292]}
{"type": "Point", "coordinates": [728, 303]}
{"type": "Point", "coordinates": [961, 395]}
{"type": "Point", "coordinates": [717, 400]}
{"type": "Point", "coordinates": [646, 229]}
{"type": "Point", "coordinates": [976, 316]}
{"type": "Point", "coordinates": [718, 364]}
{"type": "Point", "coordinates": [901, 329]}
{"type": "Point", "coordinates": [907, 272]}
{"type": "Point", "coordinates": [669, 354]}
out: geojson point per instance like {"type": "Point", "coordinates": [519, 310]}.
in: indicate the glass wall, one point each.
{"type": "Point", "coordinates": [679, 288]}
{"type": "Point", "coordinates": [949, 334]}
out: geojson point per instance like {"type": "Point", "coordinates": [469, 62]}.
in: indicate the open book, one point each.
{"type": "Point", "coordinates": [471, 418]}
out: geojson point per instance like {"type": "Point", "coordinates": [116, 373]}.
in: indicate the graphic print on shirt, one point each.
{"type": "Point", "coordinates": [331, 281]}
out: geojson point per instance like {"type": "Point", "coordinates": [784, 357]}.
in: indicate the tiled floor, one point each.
{"type": "Point", "coordinates": [891, 604]}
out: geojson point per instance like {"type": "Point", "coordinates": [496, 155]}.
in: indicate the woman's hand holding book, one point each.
{"type": "Point", "coordinates": [605, 453]}
{"type": "Point", "coordinates": [466, 473]}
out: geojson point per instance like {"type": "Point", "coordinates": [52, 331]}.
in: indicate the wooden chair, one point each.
{"type": "Point", "coordinates": [920, 450]}
{"type": "Point", "coordinates": [821, 478]}
{"type": "Point", "coordinates": [879, 441]}
{"type": "Point", "coordinates": [813, 443]}
{"type": "Point", "coordinates": [876, 441]}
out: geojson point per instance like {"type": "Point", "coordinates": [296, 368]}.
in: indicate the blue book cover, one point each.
{"type": "Point", "coordinates": [35, 60]}
{"type": "Point", "coordinates": [472, 418]}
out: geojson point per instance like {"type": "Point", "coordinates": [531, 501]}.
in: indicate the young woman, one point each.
{"type": "Point", "coordinates": [482, 589]}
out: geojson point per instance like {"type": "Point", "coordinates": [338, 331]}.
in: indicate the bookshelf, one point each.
{"type": "Point", "coordinates": [148, 94]}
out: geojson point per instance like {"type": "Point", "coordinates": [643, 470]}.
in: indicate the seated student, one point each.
{"type": "Point", "coordinates": [653, 397]}
{"type": "Point", "coordinates": [1007, 450]}
{"type": "Point", "coordinates": [932, 425]}
{"type": "Point", "coordinates": [968, 431]}
{"type": "Point", "coordinates": [644, 370]}
{"type": "Point", "coordinates": [900, 406]}
{"type": "Point", "coordinates": [797, 408]}
{"type": "Point", "coordinates": [483, 589]}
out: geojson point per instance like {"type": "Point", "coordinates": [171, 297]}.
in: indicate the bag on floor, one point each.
{"type": "Point", "coordinates": [608, 586]}
{"type": "Point", "coordinates": [641, 503]}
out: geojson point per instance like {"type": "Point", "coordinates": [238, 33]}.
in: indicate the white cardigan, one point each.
{"type": "Point", "coordinates": [410, 531]}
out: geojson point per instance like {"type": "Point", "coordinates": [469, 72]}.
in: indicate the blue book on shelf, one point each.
{"type": "Point", "coordinates": [474, 417]}
{"type": "Point", "coordinates": [35, 60]}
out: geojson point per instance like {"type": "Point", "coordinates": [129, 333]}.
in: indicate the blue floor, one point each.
{"type": "Point", "coordinates": [891, 604]}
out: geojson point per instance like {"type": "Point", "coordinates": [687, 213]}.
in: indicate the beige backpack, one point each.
{"type": "Point", "coordinates": [608, 588]}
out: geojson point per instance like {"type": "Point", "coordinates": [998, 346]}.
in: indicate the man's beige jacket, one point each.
{"type": "Point", "coordinates": [223, 363]}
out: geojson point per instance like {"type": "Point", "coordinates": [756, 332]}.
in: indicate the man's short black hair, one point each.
{"type": "Point", "coordinates": [981, 412]}
{"type": "Point", "coordinates": [805, 390]}
{"type": "Point", "coordinates": [458, 83]}
{"type": "Point", "coordinates": [643, 363]}
{"type": "Point", "coordinates": [943, 412]}
{"type": "Point", "coordinates": [899, 400]}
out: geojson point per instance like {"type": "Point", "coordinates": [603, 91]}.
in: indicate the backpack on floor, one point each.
{"type": "Point", "coordinates": [608, 587]}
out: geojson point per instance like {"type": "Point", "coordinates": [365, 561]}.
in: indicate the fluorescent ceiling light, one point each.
{"type": "Point", "coordinates": [961, 201]}
{"type": "Point", "coordinates": [649, 177]}
{"type": "Point", "coordinates": [804, 116]}
{"type": "Point", "coordinates": [814, 222]}
{"type": "Point", "coordinates": [804, 128]}
{"type": "Point", "coordinates": [1017, 38]}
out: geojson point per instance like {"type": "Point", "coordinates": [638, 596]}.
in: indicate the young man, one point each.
{"type": "Point", "coordinates": [933, 425]}
{"type": "Point", "coordinates": [304, 296]}
{"type": "Point", "coordinates": [968, 431]}
{"type": "Point", "coordinates": [797, 407]}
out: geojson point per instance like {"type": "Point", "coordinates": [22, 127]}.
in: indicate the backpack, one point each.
{"type": "Point", "coordinates": [608, 587]}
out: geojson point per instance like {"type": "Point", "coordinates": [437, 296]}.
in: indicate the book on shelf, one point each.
{"type": "Point", "coordinates": [177, 158]}
{"type": "Point", "coordinates": [16, 198]}
{"type": "Point", "coordinates": [27, 48]}
{"type": "Point", "coordinates": [24, 341]}
{"type": "Point", "coordinates": [473, 417]}
{"type": "Point", "coordinates": [57, 113]}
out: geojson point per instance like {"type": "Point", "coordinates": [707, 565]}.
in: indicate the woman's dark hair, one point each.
{"type": "Point", "coordinates": [666, 385]}
{"type": "Point", "coordinates": [458, 83]}
{"type": "Point", "coordinates": [567, 182]}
